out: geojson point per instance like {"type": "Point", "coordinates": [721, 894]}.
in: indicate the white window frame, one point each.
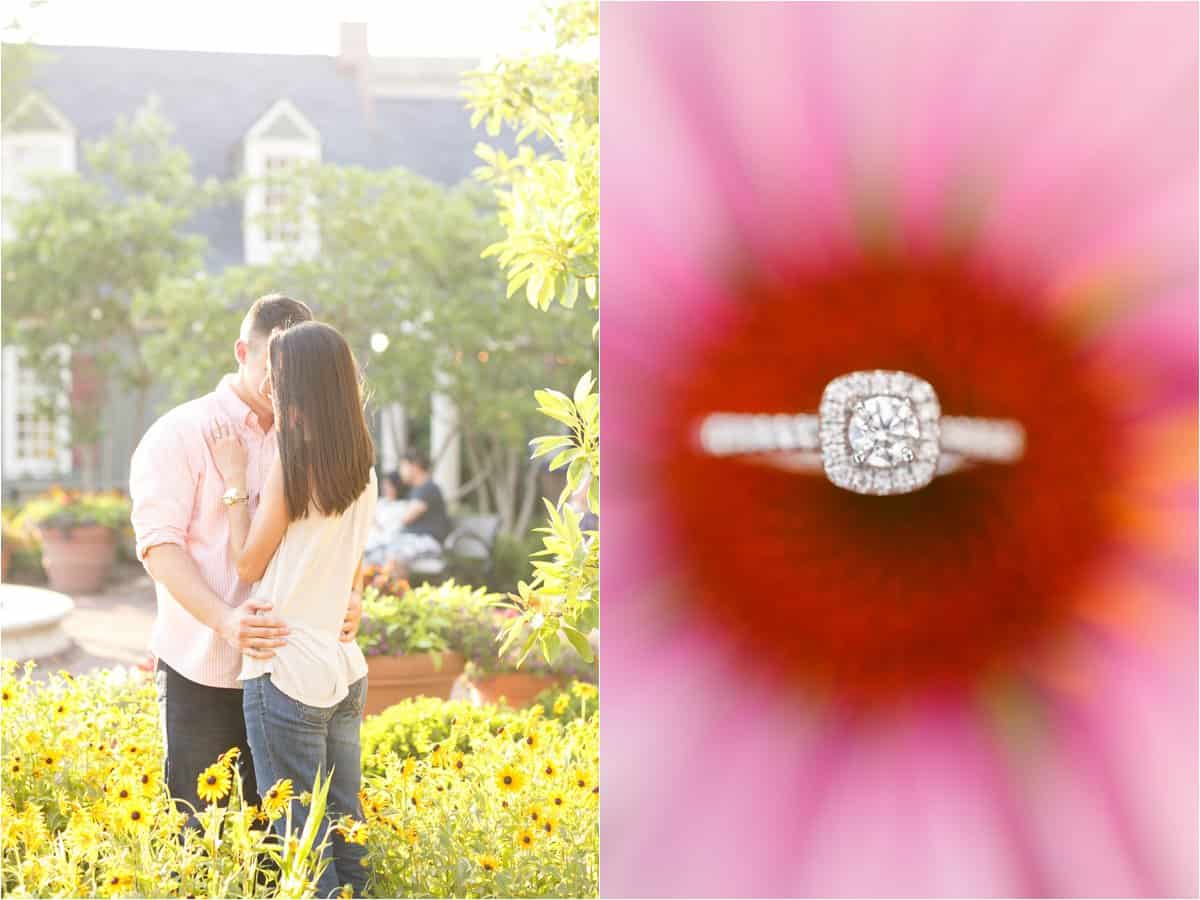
{"type": "Point", "coordinates": [61, 140]}
{"type": "Point", "coordinates": [260, 247]}
{"type": "Point", "coordinates": [17, 465]}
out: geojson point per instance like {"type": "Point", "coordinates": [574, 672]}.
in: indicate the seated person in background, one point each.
{"type": "Point", "coordinates": [389, 514]}
{"type": "Point", "coordinates": [425, 520]}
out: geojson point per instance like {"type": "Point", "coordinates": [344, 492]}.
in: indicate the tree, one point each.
{"type": "Point", "coordinates": [399, 255]}
{"type": "Point", "coordinates": [17, 63]}
{"type": "Point", "coordinates": [84, 250]}
{"type": "Point", "coordinates": [549, 206]}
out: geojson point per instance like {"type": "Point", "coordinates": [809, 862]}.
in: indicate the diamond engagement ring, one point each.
{"type": "Point", "coordinates": [875, 433]}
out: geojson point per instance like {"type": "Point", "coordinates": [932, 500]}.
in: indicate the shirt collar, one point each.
{"type": "Point", "coordinates": [234, 406]}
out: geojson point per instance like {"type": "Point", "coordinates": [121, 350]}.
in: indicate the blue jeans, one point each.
{"type": "Point", "coordinates": [290, 739]}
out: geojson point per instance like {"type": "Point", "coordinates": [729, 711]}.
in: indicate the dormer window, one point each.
{"type": "Point", "coordinates": [37, 139]}
{"type": "Point", "coordinates": [281, 140]}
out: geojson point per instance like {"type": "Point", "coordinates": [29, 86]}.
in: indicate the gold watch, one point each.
{"type": "Point", "coordinates": [234, 495]}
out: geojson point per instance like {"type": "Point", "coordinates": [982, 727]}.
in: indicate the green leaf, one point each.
{"type": "Point", "coordinates": [579, 642]}
{"type": "Point", "coordinates": [562, 459]}
{"type": "Point", "coordinates": [571, 293]}
{"type": "Point", "coordinates": [546, 292]}
{"type": "Point", "coordinates": [544, 445]}
{"type": "Point", "coordinates": [583, 387]}
{"type": "Point", "coordinates": [575, 472]}
{"type": "Point", "coordinates": [514, 283]}
{"type": "Point", "coordinates": [533, 288]}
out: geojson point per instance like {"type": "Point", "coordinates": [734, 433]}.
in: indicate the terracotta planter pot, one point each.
{"type": "Point", "coordinates": [77, 560]}
{"type": "Point", "coordinates": [391, 679]}
{"type": "Point", "coordinates": [517, 688]}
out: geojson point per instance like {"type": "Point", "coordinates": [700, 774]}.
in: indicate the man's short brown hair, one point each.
{"type": "Point", "coordinates": [272, 311]}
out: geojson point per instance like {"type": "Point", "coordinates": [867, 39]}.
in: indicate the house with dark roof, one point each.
{"type": "Point", "coordinates": [235, 114]}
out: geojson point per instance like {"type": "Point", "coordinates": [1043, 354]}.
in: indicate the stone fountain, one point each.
{"type": "Point", "coordinates": [31, 622]}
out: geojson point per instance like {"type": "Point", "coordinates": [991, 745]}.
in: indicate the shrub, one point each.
{"type": "Point", "coordinates": [427, 618]}
{"type": "Point", "coordinates": [514, 816]}
{"type": "Point", "coordinates": [578, 700]}
{"type": "Point", "coordinates": [58, 508]}
{"type": "Point", "coordinates": [413, 727]}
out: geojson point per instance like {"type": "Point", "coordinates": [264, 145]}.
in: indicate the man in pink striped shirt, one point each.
{"type": "Point", "coordinates": [206, 618]}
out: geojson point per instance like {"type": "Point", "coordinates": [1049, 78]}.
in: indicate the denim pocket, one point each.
{"type": "Point", "coordinates": [309, 715]}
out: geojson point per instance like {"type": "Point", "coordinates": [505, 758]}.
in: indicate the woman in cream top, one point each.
{"type": "Point", "coordinates": [308, 582]}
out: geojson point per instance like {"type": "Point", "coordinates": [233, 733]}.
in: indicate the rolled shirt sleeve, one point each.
{"type": "Point", "coordinates": [162, 486]}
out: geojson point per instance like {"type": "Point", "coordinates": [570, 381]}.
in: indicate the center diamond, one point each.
{"type": "Point", "coordinates": [882, 431]}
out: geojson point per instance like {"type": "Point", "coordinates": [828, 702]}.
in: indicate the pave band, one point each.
{"type": "Point", "coordinates": [732, 434]}
{"type": "Point", "coordinates": [876, 433]}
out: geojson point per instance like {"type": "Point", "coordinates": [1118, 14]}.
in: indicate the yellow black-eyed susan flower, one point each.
{"type": "Point", "coordinates": [488, 863]}
{"type": "Point", "coordinates": [116, 882]}
{"type": "Point", "coordinates": [581, 779]}
{"type": "Point", "coordinates": [549, 770]}
{"type": "Point", "coordinates": [356, 833]}
{"type": "Point", "coordinates": [525, 839]}
{"type": "Point", "coordinates": [277, 798]}
{"type": "Point", "coordinates": [584, 691]}
{"type": "Point", "coordinates": [213, 783]}
{"type": "Point", "coordinates": [535, 813]}
{"type": "Point", "coordinates": [558, 801]}
{"type": "Point", "coordinates": [136, 817]}
{"type": "Point", "coordinates": [510, 779]}
{"type": "Point", "coordinates": [549, 825]}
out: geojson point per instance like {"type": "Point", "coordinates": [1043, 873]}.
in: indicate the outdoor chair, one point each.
{"type": "Point", "coordinates": [468, 553]}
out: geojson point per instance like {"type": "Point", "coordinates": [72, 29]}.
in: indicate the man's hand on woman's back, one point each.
{"type": "Point", "coordinates": [254, 634]}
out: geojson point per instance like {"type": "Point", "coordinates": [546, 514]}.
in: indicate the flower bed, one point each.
{"type": "Point", "coordinates": [85, 812]}
{"type": "Point", "coordinates": [416, 726]}
{"type": "Point", "coordinates": [455, 623]}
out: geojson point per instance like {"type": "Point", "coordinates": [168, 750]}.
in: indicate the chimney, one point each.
{"type": "Point", "coordinates": [355, 61]}
{"type": "Point", "coordinates": [352, 46]}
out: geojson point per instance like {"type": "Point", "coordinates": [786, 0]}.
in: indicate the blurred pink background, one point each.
{"type": "Point", "coordinates": [985, 688]}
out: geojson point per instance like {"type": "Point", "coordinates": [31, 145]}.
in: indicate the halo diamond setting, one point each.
{"type": "Point", "coordinates": [879, 432]}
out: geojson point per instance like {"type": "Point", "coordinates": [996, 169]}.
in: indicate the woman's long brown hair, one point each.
{"type": "Point", "coordinates": [324, 443]}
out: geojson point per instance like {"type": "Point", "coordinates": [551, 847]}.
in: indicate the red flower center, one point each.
{"type": "Point", "coordinates": [875, 598]}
